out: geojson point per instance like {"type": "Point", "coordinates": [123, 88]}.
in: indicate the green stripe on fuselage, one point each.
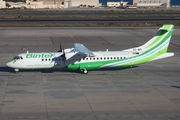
{"type": "Point", "coordinates": [12, 60]}
{"type": "Point", "coordinates": [92, 65]}
{"type": "Point", "coordinates": [147, 59]}
{"type": "Point", "coordinates": [98, 64]}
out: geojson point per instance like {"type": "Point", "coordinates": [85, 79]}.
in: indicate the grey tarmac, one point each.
{"type": "Point", "coordinates": [147, 92]}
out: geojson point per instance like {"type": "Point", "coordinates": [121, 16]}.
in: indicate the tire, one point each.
{"type": "Point", "coordinates": [85, 71]}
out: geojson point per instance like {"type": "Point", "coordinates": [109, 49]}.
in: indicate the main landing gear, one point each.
{"type": "Point", "coordinates": [84, 71]}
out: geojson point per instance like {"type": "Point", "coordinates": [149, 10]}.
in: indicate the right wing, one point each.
{"type": "Point", "coordinates": [82, 50]}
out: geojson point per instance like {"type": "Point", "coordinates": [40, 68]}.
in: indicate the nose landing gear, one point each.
{"type": "Point", "coordinates": [16, 70]}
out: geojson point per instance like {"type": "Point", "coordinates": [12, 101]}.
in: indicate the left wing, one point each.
{"type": "Point", "coordinates": [82, 50]}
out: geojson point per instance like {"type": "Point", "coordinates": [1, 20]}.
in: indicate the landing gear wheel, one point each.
{"type": "Point", "coordinates": [16, 71]}
{"type": "Point", "coordinates": [84, 71]}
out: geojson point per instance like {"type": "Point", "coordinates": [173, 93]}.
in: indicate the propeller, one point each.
{"type": "Point", "coordinates": [60, 47]}
{"type": "Point", "coordinates": [62, 50]}
{"type": "Point", "coordinates": [63, 55]}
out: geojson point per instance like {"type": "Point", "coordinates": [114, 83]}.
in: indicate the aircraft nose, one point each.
{"type": "Point", "coordinates": [8, 64]}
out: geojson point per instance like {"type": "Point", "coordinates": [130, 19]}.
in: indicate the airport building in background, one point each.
{"type": "Point", "coordinates": [2, 4]}
{"type": "Point", "coordinates": [117, 4]}
{"type": "Point", "coordinates": [52, 4]}
{"type": "Point", "coordinates": [81, 3]}
{"type": "Point", "coordinates": [60, 4]}
{"type": "Point", "coordinates": [151, 3]}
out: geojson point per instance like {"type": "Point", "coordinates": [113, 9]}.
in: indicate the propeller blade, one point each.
{"type": "Point", "coordinates": [63, 55]}
{"type": "Point", "coordinates": [60, 47]}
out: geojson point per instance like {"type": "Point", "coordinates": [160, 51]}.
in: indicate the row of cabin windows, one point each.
{"type": "Point", "coordinates": [101, 58]}
{"type": "Point", "coordinates": [54, 59]}
{"type": "Point", "coordinates": [104, 58]}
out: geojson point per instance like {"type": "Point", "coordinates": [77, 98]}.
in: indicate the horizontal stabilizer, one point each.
{"type": "Point", "coordinates": [165, 55]}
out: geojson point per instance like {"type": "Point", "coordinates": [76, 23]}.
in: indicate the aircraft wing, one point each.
{"type": "Point", "coordinates": [82, 50]}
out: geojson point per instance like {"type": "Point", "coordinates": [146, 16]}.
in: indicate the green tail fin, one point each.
{"type": "Point", "coordinates": [162, 38]}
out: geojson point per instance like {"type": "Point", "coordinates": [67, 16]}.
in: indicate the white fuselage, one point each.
{"type": "Point", "coordinates": [54, 59]}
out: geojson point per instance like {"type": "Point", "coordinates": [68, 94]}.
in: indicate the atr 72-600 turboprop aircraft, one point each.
{"type": "Point", "coordinates": [79, 58]}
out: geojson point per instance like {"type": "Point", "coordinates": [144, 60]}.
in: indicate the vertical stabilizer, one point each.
{"type": "Point", "coordinates": [160, 40]}
{"type": "Point", "coordinates": [156, 48]}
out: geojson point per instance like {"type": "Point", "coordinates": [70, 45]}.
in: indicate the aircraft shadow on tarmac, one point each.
{"type": "Point", "coordinates": [51, 70]}
{"type": "Point", "coordinates": [174, 86]}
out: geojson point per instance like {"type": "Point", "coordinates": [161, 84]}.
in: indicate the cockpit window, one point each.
{"type": "Point", "coordinates": [18, 57]}
{"type": "Point", "coordinates": [15, 57]}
